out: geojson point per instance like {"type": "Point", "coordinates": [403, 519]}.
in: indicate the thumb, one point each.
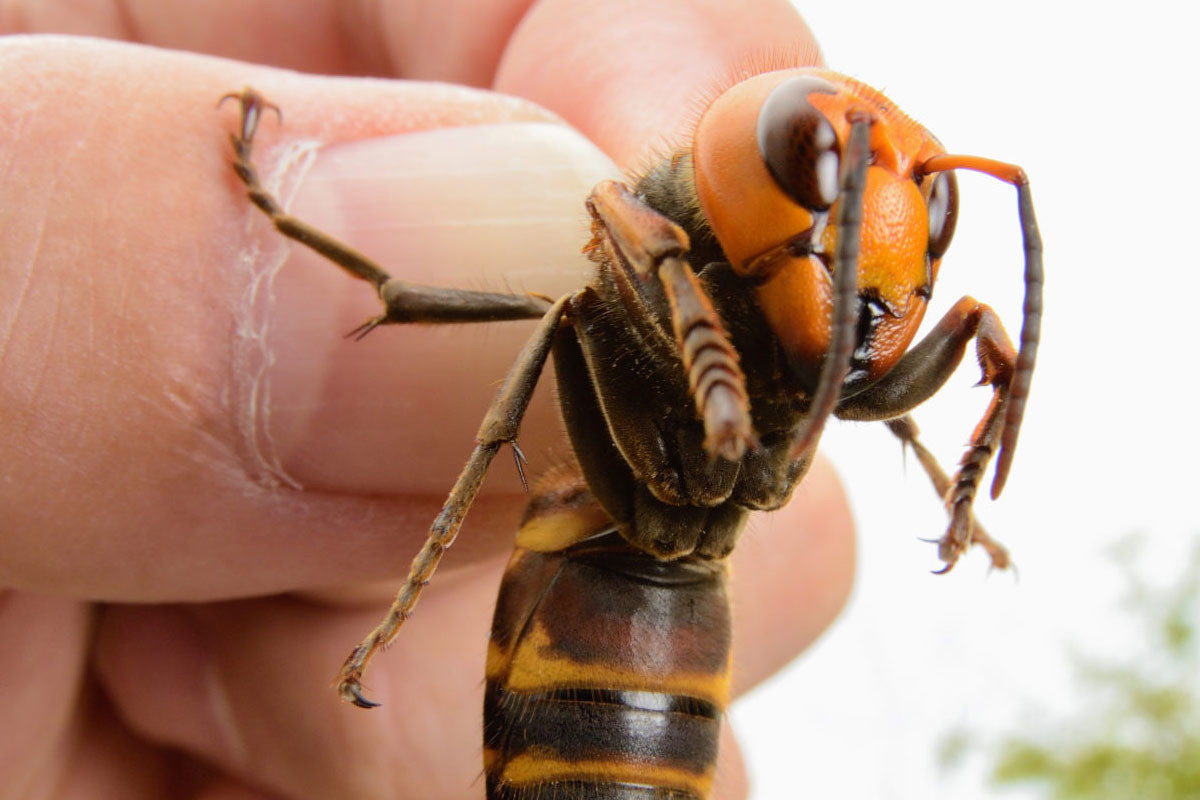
{"type": "Point", "coordinates": [172, 368]}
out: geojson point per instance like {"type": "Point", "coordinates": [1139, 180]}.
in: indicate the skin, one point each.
{"type": "Point", "coordinates": [207, 495]}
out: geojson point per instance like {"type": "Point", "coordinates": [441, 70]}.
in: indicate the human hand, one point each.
{"type": "Point", "coordinates": [175, 609]}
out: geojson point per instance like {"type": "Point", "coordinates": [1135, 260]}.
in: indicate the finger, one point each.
{"type": "Point", "coordinates": [633, 76]}
{"type": "Point", "coordinates": [59, 738]}
{"type": "Point", "coordinates": [143, 323]}
{"type": "Point", "coordinates": [229, 790]}
{"type": "Point", "coordinates": [42, 667]}
{"type": "Point", "coordinates": [246, 687]}
{"type": "Point", "coordinates": [459, 43]}
{"type": "Point", "coordinates": [793, 571]}
{"type": "Point", "coordinates": [730, 781]}
{"type": "Point", "coordinates": [223, 682]}
{"type": "Point", "coordinates": [102, 759]}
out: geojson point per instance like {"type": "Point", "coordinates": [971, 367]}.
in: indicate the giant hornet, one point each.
{"type": "Point", "coordinates": [769, 275]}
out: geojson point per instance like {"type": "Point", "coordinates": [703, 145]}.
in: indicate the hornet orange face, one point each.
{"type": "Point", "coordinates": [767, 157]}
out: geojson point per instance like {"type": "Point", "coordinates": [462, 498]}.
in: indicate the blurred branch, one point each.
{"type": "Point", "coordinates": [1137, 734]}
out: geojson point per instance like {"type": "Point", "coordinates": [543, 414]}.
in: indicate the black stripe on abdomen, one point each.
{"type": "Point", "coordinates": [593, 743]}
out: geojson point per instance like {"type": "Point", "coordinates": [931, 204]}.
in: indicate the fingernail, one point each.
{"type": "Point", "coordinates": [488, 207]}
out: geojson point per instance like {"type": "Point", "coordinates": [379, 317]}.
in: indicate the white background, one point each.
{"type": "Point", "coordinates": [1098, 102]}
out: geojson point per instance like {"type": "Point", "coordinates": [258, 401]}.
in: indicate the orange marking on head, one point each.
{"type": "Point", "coordinates": [747, 210]}
{"type": "Point", "coordinates": [755, 220]}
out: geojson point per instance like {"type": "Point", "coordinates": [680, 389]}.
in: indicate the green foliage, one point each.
{"type": "Point", "coordinates": [1138, 734]}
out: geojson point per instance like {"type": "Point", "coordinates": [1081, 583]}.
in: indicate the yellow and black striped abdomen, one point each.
{"type": "Point", "coordinates": [608, 673]}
